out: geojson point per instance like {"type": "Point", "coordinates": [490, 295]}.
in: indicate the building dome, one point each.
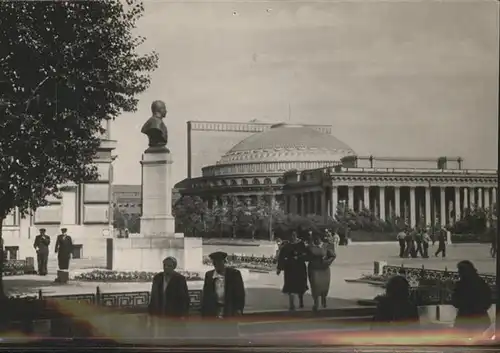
{"type": "Point", "coordinates": [287, 143]}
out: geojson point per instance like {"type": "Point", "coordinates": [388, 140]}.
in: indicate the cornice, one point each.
{"type": "Point", "coordinates": [252, 127]}
{"type": "Point", "coordinates": [266, 167]}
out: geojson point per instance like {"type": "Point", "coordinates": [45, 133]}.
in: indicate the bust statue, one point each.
{"type": "Point", "coordinates": [155, 128]}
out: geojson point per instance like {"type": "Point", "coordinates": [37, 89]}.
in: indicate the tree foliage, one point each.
{"type": "Point", "coordinates": [65, 67]}
{"type": "Point", "coordinates": [190, 214]}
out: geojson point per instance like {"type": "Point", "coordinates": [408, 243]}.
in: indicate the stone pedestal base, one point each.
{"type": "Point", "coordinates": [156, 219]}
{"type": "Point", "coordinates": [378, 267]}
{"type": "Point", "coordinates": [147, 254]}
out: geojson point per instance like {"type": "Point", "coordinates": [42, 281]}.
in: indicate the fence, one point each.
{"type": "Point", "coordinates": [436, 286]}
{"type": "Point", "coordinates": [135, 300]}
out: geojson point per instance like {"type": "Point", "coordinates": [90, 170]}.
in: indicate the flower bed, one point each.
{"type": "Point", "coordinates": [127, 276]}
{"type": "Point", "coordinates": [255, 263]}
{"type": "Point", "coordinates": [17, 268]}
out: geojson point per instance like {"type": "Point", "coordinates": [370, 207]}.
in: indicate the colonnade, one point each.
{"type": "Point", "coordinates": [416, 204]}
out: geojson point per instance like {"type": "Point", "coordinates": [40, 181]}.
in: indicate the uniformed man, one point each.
{"type": "Point", "coordinates": [442, 242]}
{"type": "Point", "coordinates": [41, 245]}
{"type": "Point", "coordinates": [64, 249]}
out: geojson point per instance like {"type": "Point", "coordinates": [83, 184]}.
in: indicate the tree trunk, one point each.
{"type": "Point", "coordinates": [2, 293]}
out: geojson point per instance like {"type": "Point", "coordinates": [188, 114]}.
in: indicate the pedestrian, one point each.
{"type": "Point", "coordinates": [426, 240]}
{"type": "Point", "coordinates": [441, 242]}
{"type": "Point", "coordinates": [223, 289]}
{"type": "Point", "coordinates": [169, 300]}
{"type": "Point", "coordinates": [472, 298]}
{"type": "Point", "coordinates": [292, 262]}
{"type": "Point", "coordinates": [64, 249]}
{"type": "Point", "coordinates": [41, 245]}
{"type": "Point", "coordinates": [320, 255]}
{"type": "Point", "coordinates": [408, 243]}
{"type": "Point", "coordinates": [402, 243]}
{"type": "Point", "coordinates": [419, 239]}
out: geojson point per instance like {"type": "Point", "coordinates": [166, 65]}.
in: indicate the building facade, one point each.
{"type": "Point", "coordinates": [308, 171]}
{"type": "Point", "coordinates": [85, 210]}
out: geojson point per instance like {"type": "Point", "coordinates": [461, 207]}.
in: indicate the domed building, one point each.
{"type": "Point", "coordinates": [308, 171]}
{"type": "Point", "coordinates": [256, 166]}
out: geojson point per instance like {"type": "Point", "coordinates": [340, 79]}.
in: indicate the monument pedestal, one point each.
{"type": "Point", "coordinates": [158, 238]}
{"type": "Point", "coordinates": [147, 254]}
{"type": "Point", "coordinates": [156, 219]}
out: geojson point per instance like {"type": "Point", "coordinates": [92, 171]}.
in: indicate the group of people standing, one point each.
{"type": "Point", "coordinates": [319, 253]}
{"type": "Point", "coordinates": [472, 297]}
{"type": "Point", "coordinates": [63, 249]}
{"type": "Point", "coordinates": [416, 242]}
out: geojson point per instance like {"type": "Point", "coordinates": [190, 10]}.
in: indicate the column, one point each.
{"type": "Point", "coordinates": [381, 190]}
{"type": "Point", "coordinates": [472, 194]}
{"type": "Point", "coordinates": [487, 205]}
{"type": "Point", "coordinates": [312, 202]}
{"type": "Point", "coordinates": [480, 197]}
{"type": "Point", "coordinates": [324, 205]}
{"type": "Point", "coordinates": [287, 204]}
{"type": "Point", "coordinates": [442, 216]}
{"type": "Point", "coordinates": [294, 202]}
{"type": "Point", "coordinates": [487, 192]}
{"type": "Point", "coordinates": [335, 200]}
{"type": "Point", "coordinates": [457, 204]}
{"type": "Point", "coordinates": [413, 213]}
{"type": "Point", "coordinates": [316, 199]}
{"type": "Point", "coordinates": [493, 196]}
{"type": "Point", "coordinates": [466, 200]}
{"type": "Point", "coordinates": [302, 204]}
{"type": "Point", "coordinates": [428, 206]}
{"type": "Point", "coordinates": [350, 197]}
{"type": "Point", "coordinates": [366, 197]}
{"type": "Point", "coordinates": [397, 201]}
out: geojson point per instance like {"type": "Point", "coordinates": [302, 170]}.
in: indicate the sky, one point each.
{"type": "Point", "coordinates": [393, 78]}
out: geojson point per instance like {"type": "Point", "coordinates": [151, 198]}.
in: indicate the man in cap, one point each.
{"type": "Point", "coordinates": [223, 290]}
{"type": "Point", "coordinates": [41, 245]}
{"type": "Point", "coordinates": [64, 249]}
{"type": "Point", "coordinates": [169, 292]}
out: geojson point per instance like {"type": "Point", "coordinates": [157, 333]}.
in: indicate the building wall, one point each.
{"type": "Point", "coordinates": [85, 210]}
{"type": "Point", "coordinates": [208, 141]}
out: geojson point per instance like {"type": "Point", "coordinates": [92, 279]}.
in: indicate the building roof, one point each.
{"type": "Point", "coordinates": [287, 142]}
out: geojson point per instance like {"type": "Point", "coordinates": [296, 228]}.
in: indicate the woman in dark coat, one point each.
{"type": "Point", "coordinates": [472, 297]}
{"type": "Point", "coordinates": [291, 261]}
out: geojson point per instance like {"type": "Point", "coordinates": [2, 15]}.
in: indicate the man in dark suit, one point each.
{"type": "Point", "coordinates": [41, 245]}
{"type": "Point", "coordinates": [442, 242]}
{"type": "Point", "coordinates": [64, 249]}
{"type": "Point", "coordinates": [223, 290]}
{"type": "Point", "coordinates": [169, 292]}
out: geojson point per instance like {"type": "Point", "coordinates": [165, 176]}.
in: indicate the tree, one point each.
{"type": "Point", "coordinates": [123, 220]}
{"type": "Point", "coordinates": [65, 68]}
{"type": "Point", "coordinates": [189, 212]}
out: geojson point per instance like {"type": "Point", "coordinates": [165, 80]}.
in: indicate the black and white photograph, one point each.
{"type": "Point", "coordinates": [249, 172]}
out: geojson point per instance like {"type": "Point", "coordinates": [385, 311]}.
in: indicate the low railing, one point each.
{"type": "Point", "coordinates": [136, 300]}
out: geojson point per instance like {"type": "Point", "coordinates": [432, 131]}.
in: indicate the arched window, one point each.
{"type": "Point", "coordinates": [280, 181]}
{"type": "Point", "coordinates": [244, 182]}
{"type": "Point", "coordinates": [255, 181]}
{"type": "Point", "coordinates": [223, 183]}
{"type": "Point", "coordinates": [267, 181]}
{"type": "Point", "coordinates": [233, 182]}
